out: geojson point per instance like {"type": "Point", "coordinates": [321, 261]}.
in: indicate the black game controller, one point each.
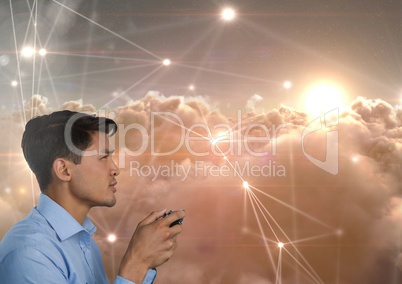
{"type": "Point", "coordinates": [177, 222]}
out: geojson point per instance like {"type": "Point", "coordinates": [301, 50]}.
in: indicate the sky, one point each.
{"type": "Point", "coordinates": [279, 131]}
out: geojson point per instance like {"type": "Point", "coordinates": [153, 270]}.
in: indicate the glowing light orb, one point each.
{"type": "Point", "coordinates": [22, 190]}
{"type": "Point", "coordinates": [246, 185]}
{"type": "Point", "coordinates": [7, 190]}
{"type": "Point", "coordinates": [219, 137]}
{"type": "Point", "coordinates": [166, 62]}
{"type": "Point", "coordinates": [280, 245]}
{"type": "Point", "coordinates": [355, 159]}
{"type": "Point", "coordinates": [322, 98]}
{"type": "Point", "coordinates": [228, 14]}
{"type": "Point", "coordinates": [42, 52]}
{"type": "Point", "coordinates": [14, 83]}
{"type": "Point", "coordinates": [339, 232]}
{"type": "Point", "coordinates": [4, 60]}
{"type": "Point", "coordinates": [27, 52]}
{"type": "Point", "coordinates": [191, 87]}
{"type": "Point", "coordinates": [287, 85]}
{"type": "Point", "coordinates": [111, 238]}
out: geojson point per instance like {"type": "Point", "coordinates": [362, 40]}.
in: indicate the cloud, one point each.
{"type": "Point", "coordinates": [344, 227]}
{"type": "Point", "coordinates": [253, 101]}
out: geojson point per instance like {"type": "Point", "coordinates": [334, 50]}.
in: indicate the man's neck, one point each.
{"type": "Point", "coordinates": [76, 209]}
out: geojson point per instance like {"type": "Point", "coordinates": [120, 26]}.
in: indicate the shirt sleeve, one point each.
{"type": "Point", "coordinates": [149, 278]}
{"type": "Point", "coordinates": [29, 265]}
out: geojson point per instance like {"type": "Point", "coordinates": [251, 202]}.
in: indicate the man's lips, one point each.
{"type": "Point", "coordinates": [113, 186]}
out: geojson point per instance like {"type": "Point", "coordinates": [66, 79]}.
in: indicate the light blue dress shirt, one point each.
{"type": "Point", "coordinates": [50, 246]}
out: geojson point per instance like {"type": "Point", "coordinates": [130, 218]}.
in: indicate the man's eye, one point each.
{"type": "Point", "coordinates": [104, 157]}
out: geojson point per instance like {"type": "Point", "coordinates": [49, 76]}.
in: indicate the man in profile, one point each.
{"type": "Point", "coordinates": [70, 155]}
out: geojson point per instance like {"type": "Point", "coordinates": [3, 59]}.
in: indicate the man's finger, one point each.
{"type": "Point", "coordinates": [153, 216]}
{"type": "Point", "coordinates": [174, 216]}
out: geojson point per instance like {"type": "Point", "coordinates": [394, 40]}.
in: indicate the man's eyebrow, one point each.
{"type": "Point", "coordinates": [106, 151]}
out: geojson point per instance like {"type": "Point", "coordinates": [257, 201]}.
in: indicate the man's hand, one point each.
{"type": "Point", "coordinates": [151, 245]}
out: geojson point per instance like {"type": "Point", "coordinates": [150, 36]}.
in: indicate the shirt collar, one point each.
{"type": "Point", "coordinates": [61, 221]}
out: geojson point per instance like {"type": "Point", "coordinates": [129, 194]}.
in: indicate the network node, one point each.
{"type": "Point", "coordinates": [14, 83]}
{"type": "Point", "coordinates": [111, 238]}
{"type": "Point", "coordinates": [27, 52]}
{"type": "Point", "coordinates": [42, 52]}
{"type": "Point", "coordinates": [246, 185]}
{"type": "Point", "coordinates": [339, 232]}
{"type": "Point", "coordinates": [280, 245]}
{"type": "Point", "coordinates": [167, 62]}
{"type": "Point", "coordinates": [287, 85]}
{"type": "Point", "coordinates": [228, 14]}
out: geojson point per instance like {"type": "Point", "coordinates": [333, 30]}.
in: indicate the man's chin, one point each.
{"type": "Point", "coordinates": [109, 203]}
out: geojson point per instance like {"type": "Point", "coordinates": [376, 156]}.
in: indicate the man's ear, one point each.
{"type": "Point", "coordinates": [61, 169]}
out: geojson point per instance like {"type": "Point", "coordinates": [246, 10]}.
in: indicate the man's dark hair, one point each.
{"type": "Point", "coordinates": [44, 140]}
